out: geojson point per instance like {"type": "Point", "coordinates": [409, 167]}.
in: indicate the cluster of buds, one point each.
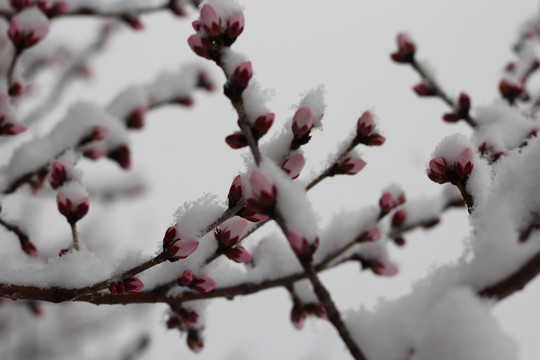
{"type": "Point", "coordinates": [405, 51]}
{"type": "Point", "coordinates": [72, 201]}
{"type": "Point", "coordinates": [259, 127]}
{"type": "Point", "coordinates": [299, 313]}
{"type": "Point", "coordinates": [213, 32]}
{"type": "Point", "coordinates": [263, 201]}
{"type": "Point", "coordinates": [293, 165]}
{"type": "Point", "coordinates": [511, 90]}
{"type": "Point", "coordinates": [366, 132]}
{"type": "Point", "coordinates": [461, 111]}
{"type": "Point", "coordinates": [132, 285]}
{"type": "Point", "coordinates": [390, 199]}
{"type": "Point", "coordinates": [27, 28]}
{"type": "Point", "coordinates": [176, 247]}
{"type": "Point", "coordinates": [202, 284]}
{"type": "Point", "coordinates": [302, 123]}
{"type": "Point", "coordinates": [229, 235]}
{"type": "Point", "coordinates": [441, 172]}
{"type": "Point", "coordinates": [6, 126]}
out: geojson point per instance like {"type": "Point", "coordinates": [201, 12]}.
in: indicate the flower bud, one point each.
{"type": "Point", "coordinates": [437, 170]}
{"type": "Point", "coordinates": [510, 91]}
{"type": "Point", "coordinates": [262, 124]}
{"type": "Point", "coordinates": [27, 28]}
{"type": "Point", "coordinates": [293, 165]}
{"type": "Point", "coordinates": [236, 140]}
{"type": "Point", "coordinates": [58, 174]}
{"type": "Point", "coordinates": [384, 268]}
{"type": "Point", "coordinates": [99, 132]}
{"type": "Point", "coordinates": [235, 191]}
{"type": "Point", "coordinates": [375, 140]}
{"type": "Point", "coordinates": [199, 45]}
{"type": "Point", "coordinates": [12, 129]}
{"type": "Point", "coordinates": [113, 288]}
{"type": "Point", "coordinates": [386, 202]}
{"type": "Point", "coordinates": [133, 285]}
{"type": "Point", "coordinates": [195, 341]}
{"type": "Point", "coordinates": [351, 165]}
{"type": "Point", "coordinates": [464, 163]}
{"type": "Point", "coordinates": [263, 188]}
{"type": "Point", "coordinates": [204, 284]}
{"type": "Point", "coordinates": [187, 278]}
{"type": "Point", "coordinates": [243, 73]}
{"type": "Point", "coordinates": [238, 254]}
{"type": "Point", "coordinates": [170, 235]}
{"type": "Point", "coordinates": [302, 121]}
{"type": "Point", "coordinates": [210, 20]}
{"type": "Point", "coordinates": [29, 248]}
{"type": "Point", "coordinates": [122, 155]}
{"type": "Point", "coordinates": [136, 119]}
{"type": "Point", "coordinates": [372, 235]}
{"type": "Point", "coordinates": [365, 124]}
{"type": "Point", "coordinates": [235, 24]}
{"type": "Point", "coordinates": [298, 317]}
{"type": "Point", "coordinates": [298, 243]}
{"type": "Point", "coordinates": [399, 217]}
{"type": "Point", "coordinates": [73, 211]}
{"type": "Point", "coordinates": [231, 232]}
{"type": "Point", "coordinates": [424, 89]}
{"type": "Point", "coordinates": [182, 248]}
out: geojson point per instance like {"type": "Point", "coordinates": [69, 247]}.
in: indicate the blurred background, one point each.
{"type": "Point", "coordinates": [294, 46]}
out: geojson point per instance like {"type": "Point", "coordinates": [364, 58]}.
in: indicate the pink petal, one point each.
{"type": "Point", "coordinates": [204, 284]}
{"type": "Point", "coordinates": [464, 163]}
{"type": "Point", "coordinates": [235, 24]}
{"type": "Point", "coordinates": [365, 124]}
{"type": "Point", "coordinates": [294, 165]}
{"type": "Point", "coordinates": [302, 121]}
{"type": "Point", "coordinates": [263, 188]}
{"type": "Point", "coordinates": [182, 248]}
{"type": "Point", "coordinates": [238, 254]}
{"type": "Point", "coordinates": [210, 20]}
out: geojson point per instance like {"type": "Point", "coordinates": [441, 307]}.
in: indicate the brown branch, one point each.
{"type": "Point", "coordinates": [24, 239]}
{"type": "Point", "coordinates": [75, 236]}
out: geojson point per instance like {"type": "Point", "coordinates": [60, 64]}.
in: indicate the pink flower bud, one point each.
{"type": "Point", "coordinates": [113, 289]}
{"type": "Point", "coordinates": [384, 268]}
{"type": "Point", "coordinates": [94, 153]}
{"type": "Point", "coordinates": [399, 217]}
{"type": "Point", "coordinates": [64, 204]}
{"type": "Point", "coordinates": [302, 121]}
{"type": "Point", "coordinates": [252, 212]}
{"type": "Point", "coordinates": [134, 22]}
{"type": "Point", "coordinates": [262, 124]}
{"type": "Point", "coordinates": [82, 209]}
{"type": "Point", "coordinates": [298, 317]}
{"type": "Point", "coordinates": [510, 91]}
{"type": "Point", "coordinates": [264, 189]}
{"type": "Point", "coordinates": [196, 25]}
{"type": "Point", "coordinates": [375, 140]}
{"type": "Point", "coordinates": [238, 254]}
{"type": "Point", "coordinates": [437, 170]}
{"type": "Point", "coordinates": [235, 191]}
{"type": "Point", "coordinates": [386, 202]}
{"type": "Point", "coordinates": [243, 73]}
{"type": "Point", "coordinates": [136, 119]}
{"type": "Point", "coordinates": [236, 140]}
{"type": "Point", "coordinates": [235, 24]}
{"type": "Point", "coordinates": [199, 45]}
{"type": "Point", "coordinates": [120, 287]}
{"type": "Point", "coordinates": [63, 252]}
{"type": "Point", "coordinates": [133, 285]}
{"type": "Point", "coordinates": [195, 341]}
{"type": "Point", "coordinates": [12, 129]}
{"type": "Point", "coordinates": [372, 235]}
{"type": "Point", "coordinates": [293, 165]}
{"type": "Point", "coordinates": [205, 82]}
{"type": "Point", "coordinates": [16, 89]}
{"type": "Point", "coordinates": [352, 165]}
{"type": "Point", "coordinates": [182, 248]}
{"type": "Point", "coordinates": [405, 44]}
{"type": "Point", "coordinates": [204, 284]}
{"type": "Point", "coordinates": [191, 317]}
{"type": "Point", "coordinates": [317, 310]}
{"type": "Point", "coordinates": [424, 89]}
{"type": "Point", "coordinates": [365, 124]}
{"type": "Point", "coordinates": [28, 27]}
{"type": "Point", "coordinates": [187, 278]}
{"type": "Point", "coordinates": [122, 155]}
{"type": "Point", "coordinates": [464, 163]}
{"type": "Point", "coordinates": [99, 132]}
{"type": "Point", "coordinates": [232, 232]}
{"type": "Point", "coordinates": [210, 20]}
{"type": "Point", "coordinates": [170, 235]}
{"type": "Point", "coordinates": [298, 243]}
{"type": "Point", "coordinates": [30, 249]}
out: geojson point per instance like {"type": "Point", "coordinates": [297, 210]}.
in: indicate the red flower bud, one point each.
{"type": "Point", "coordinates": [386, 202]}
{"type": "Point", "coordinates": [187, 278]}
{"type": "Point", "coordinates": [204, 284]}
{"type": "Point", "coordinates": [136, 119]}
{"type": "Point", "coordinates": [372, 235]}
{"type": "Point", "coordinates": [12, 129]}
{"type": "Point", "coordinates": [293, 165]}
{"type": "Point", "coordinates": [210, 20]}
{"type": "Point", "coordinates": [298, 317]}
{"type": "Point", "coordinates": [510, 91]}
{"type": "Point", "coordinates": [437, 170]}
{"type": "Point", "coordinates": [30, 249]}
{"type": "Point", "coordinates": [236, 140]}
{"type": "Point", "coordinates": [199, 45]}
{"type": "Point", "coordinates": [238, 254]}
{"type": "Point", "coordinates": [195, 341]}
{"type": "Point", "coordinates": [375, 140]}
{"type": "Point", "coordinates": [232, 232]}
{"type": "Point", "coordinates": [113, 289]}
{"type": "Point", "coordinates": [262, 125]}
{"type": "Point", "coordinates": [384, 268]}
{"type": "Point", "coordinates": [298, 243]}
{"type": "Point", "coordinates": [302, 121]}
{"type": "Point", "coordinates": [351, 165]}
{"type": "Point", "coordinates": [122, 155]}
{"type": "Point", "coordinates": [464, 163]}
{"type": "Point", "coordinates": [263, 188]}
{"type": "Point", "coordinates": [133, 285]}
{"type": "Point", "coordinates": [235, 24]}
{"type": "Point", "coordinates": [235, 191]}
{"type": "Point", "coordinates": [170, 235]}
{"type": "Point", "coordinates": [399, 217]}
{"type": "Point", "coordinates": [243, 73]}
{"type": "Point", "coordinates": [424, 89]}
{"type": "Point", "coordinates": [365, 124]}
{"type": "Point", "coordinates": [58, 174]}
{"type": "Point", "coordinates": [182, 248]}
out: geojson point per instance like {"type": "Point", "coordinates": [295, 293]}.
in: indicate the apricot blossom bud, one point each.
{"type": "Point", "coordinates": [73, 211]}
{"type": "Point", "coordinates": [27, 28]}
{"type": "Point", "coordinates": [406, 49]}
{"type": "Point", "coordinates": [235, 191]}
{"type": "Point", "coordinates": [187, 278]}
{"type": "Point", "coordinates": [195, 341]}
{"type": "Point", "coordinates": [424, 89]}
{"type": "Point", "coordinates": [509, 90]}
{"type": "Point", "coordinates": [235, 24]}
{"type": "Point", "coordinates": [136, 119]}
{"type": "Point", "coordinates": [437, 170]}
{"type": "Point", "coordinates": [29, 248]}
{"type": "Point", "coordinates": [133, 285]}
{"type": "Point", "coordinates": [236, 140]}
{"type": "Point", "coordinates": [464, 163]}
{"type": "Point", "coordinates": [263, 188]}
{"type": "Point", "coordinates": [386, 202]}
{"type": "Point", "coordinates": [298, 317]}
{"type": "Point", "coordinates": [298, 243]}
{"type": "Point", "coordinates": [399, 217]}
{"type": "Point", "coordinates": [122, 155]}
{"type": "Point", "coordinates": [182, 248]}
{"type": "Point", "coordinates": [352, 165]}
{"type": "Point", "coordinates": [302, 121]}
{"type": "Point", "coordinates": [365, 124]}
{"type": "Point", "coordinates": [58, 174]}
{"type": "Point", "coordinates": [243, 73]}
{"type": "Point", "coordinates": [262, 124]}
{"type": "Point", "coordinates": [170, 235]}
{"type": "Point", "coordinates": [375, 140]}
{"type": "Point", "coordinates": [199, 45]}
{"type": "Point", "coordinates": [238, 254]}
{"type": "Point", "coordinates": [293, 165]}
{"type": "Point", "coordinates": [204, 284]}
{"type": "Point", "coordinates": [232, 232]}
{"type": "Point", "coordinates": [372, 235]}
{"type": "Point", "coordinates": [384, 268]}
{"type": "Point", "coordinates": [210, 20]}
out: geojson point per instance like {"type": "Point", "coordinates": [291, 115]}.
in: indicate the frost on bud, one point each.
{"type": "Point", "coordinates": [170, 235]}
{"type": "Point", "coordinates": [232, 232]}
{"type": "Point", "coordinates": [27, 28]}
{"type": "Point", "coordinates": [235, 24]}
{"type": "Point", "coordinates": [122, 155]}
{"type": "Point", "coordinates": [351, 165]}
{"type": "Point", "coordinates": [372, 235]}
{"type": "Point", "coordinates": [30, 249]}
{"type": "Point", "coordinates": [210, 20]}
{"type": "Point", "coordinates": [293, 165]}
{"type": "Point", "coordinates": [182, 248]}
{"type": "Point", "coordinates": [302, 122]}
{"type": "Point", "coordinates": [58, 174]}
{"type": "Point", "coordinates": [263, 188]}
{"type": "Point", "coordinates": [195, 341]}
{"type": "Point", "coordinates": [204, 284]}
{"type": "Point", "coordinates": [298, 243]}
{"type": "Point", "coordinates": [399, 217]}
{"type": "Point", "coordinates": [464, 163]}
{"type": "Point", "coordinates": [243, 73]}
{"type": "Point", "coordinates": [384, 268]}
{"type": "Point", "coordinates": [424, 89]}
{"type": "Point", "coordinates": [437, 170]}
{"type": "Point", "coordinates": [262, 124]}
{"type": "Point", "coordinates": [386, 202]}
{"type": "Point", "coordinates": [365, 124]}
{"type": "Point", "coordinates": [298, 316]}
{"type": "Point", "coordinates": [11, 129]}
{"type": "Point", "coordinates": [187, 278]}
{"type": "Point", "coordinates": [236, 140]}
{"type": "Point", "coordinates": [510, 91]}
{"type": "Point", "coordinates": [136, 119]}
{"type": "Point", "coordinates": [199, 45]}
{"type": "Point", "coordinates": [235, 191]}
{"type": "Point", "coordinates": [406, 49]}
{"type": "Point", "coordinates": [238, 254]}
{"type": "Point", "coordinates": [133, 285]}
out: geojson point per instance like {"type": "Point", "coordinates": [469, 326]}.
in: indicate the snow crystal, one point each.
{"type": "Point", "coordinates": [194, 217]}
